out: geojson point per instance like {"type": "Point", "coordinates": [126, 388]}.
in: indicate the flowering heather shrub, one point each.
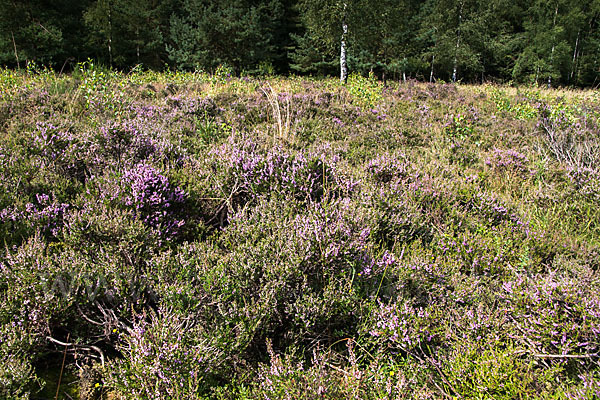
{"type": "Point", "coordinates": [404, 325]}
{"type": "Point", "coordinates": [23, 103]}
{"type": "Point", "coordinates": [332, 376]}
{"type": "Point", "coordinates": [509, 161]}
{"type": "Point", "coordinates": [163, 358]}
{"type": "Point", "coordinates": [555, 315]}
{"type": "Point", "coordinates": [495, 239]}
{"type": "Point", "coordinates": [313, 275]}
{"type": "Point", "coordinates": [399, 221]}
{"type": "Point", "coordinates": [247, 173]}
{"type": "Point", "coordinates": [589, 389]}
{"type": "Point", "coordinates": [201, 106]}
{"type": "Point", "coordinates": [141, 193]}
{"type": "Point", "coordinates": [27, 306]}
{"type": "Point", "coordinates": [51, 141]}
{"type": "Point", "coordinates": [586, 182]}
{"type": "Point", "coordinates": [123, 144]}
{"type": "Point", "coordinates": [330, 237]}
{"type": "Point", "coordinates": [153, 199]}
{"type": "Point", "coordinates": [288, 379]}
{"type": "Point", "coordinates": [60, 149]}
{"type": "Point", "coordinates": [51, 213]}
{"type": "Point", "coordinates": [17, 375]}
{"type": "Point", "coordinates": [384, 168]}
{"type": "Point", "coordinates": [96, 225]}
{"type": "Point", "coordinates": [558, 113]}
{"type": "Point", "coordinates": [165, 226]}
{"type": "Point", "coordinates": [43, 215]}
{"type": "Point", "coordinates": [494, 210]}
{"type": "Point", "coordinates": [476, 254]}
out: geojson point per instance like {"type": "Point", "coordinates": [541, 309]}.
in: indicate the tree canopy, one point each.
{"type": "Point", "coordinates": [546, 42]}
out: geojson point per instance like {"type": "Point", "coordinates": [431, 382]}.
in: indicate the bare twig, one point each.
{"type": "Point", "coordinates": [338, 369]}
{"type": "Point", "coordinates": [62, 367]}
{"type": "Point", "coordinates": [78, 346]}
{"type": "Point", "coordinates": [578, 356]}
{"type": "Point", "coordinates": [227, 203]}
{"type": "Point", "coordinates": [88, 319]}
{"type": "Point", "coordinates": [568, 147]}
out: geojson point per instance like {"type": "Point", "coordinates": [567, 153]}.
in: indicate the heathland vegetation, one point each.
{"type": "Point", "coordinates": [186, 236]}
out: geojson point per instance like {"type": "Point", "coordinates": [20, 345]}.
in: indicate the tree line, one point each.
{"type": "Point", "coordinates": [553, 42]}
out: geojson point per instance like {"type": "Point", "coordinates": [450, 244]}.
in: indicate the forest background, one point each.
{"type": "Point", "coordinates": [525, 42]}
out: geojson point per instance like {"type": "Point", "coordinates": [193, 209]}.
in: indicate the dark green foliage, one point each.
{"type": "Point", "coordinates": [538, 42]}
{"type": "Point", "coordinates": [205, 34]}
{"type": "Point", "coordinates": [125, 34]}
{"type": "Point", "coordinates": [49, 33]}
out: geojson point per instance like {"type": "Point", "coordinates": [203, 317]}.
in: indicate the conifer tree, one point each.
{"type": "Point", "coordinates": [207, 33]}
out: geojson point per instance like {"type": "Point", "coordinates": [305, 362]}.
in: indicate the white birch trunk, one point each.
{"type": "Point", "coordinates": [137, 44]}
{"type": "Point", "coordinates": [431, 73]}
{"type": "Point", "coordinates": [110, 57]}
{"type": "Point", "coordinates": [343, 62]}
{"type": "Point", "coordinates": [455, 67]}
{"type": "Point", "coordinates": [574, 57]}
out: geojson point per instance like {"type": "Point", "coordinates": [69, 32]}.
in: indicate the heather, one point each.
{"type": "Point", "coordinates": [195, 236]}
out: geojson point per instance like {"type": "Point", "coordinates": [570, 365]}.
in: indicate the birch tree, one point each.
{"type": "Point", "coordinates": [331, 23]}
{"type": "Point", "coordinates": [100, 18]}
{"type": "Point", "coordinates": [343, 55]}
